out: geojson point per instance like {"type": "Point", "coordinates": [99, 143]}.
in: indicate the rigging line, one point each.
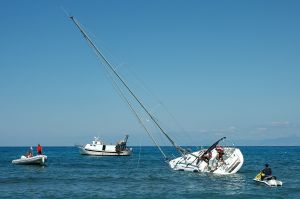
{"type": "Point", "coordinates": [181, 150]}
{"type": "Point", "coordinates": [138, 163]}
{"type": "Point", "coordinates": [65, 11]}
{"type": "Point", "coordinates": [126, 100]}
{"type": "Point", "coordinates": [123, 96]}
{"type": "Point", "coordinates": [160, 102]}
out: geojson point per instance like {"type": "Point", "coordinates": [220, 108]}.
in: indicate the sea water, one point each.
{"type": "Point", "coordinates": [143, 175]}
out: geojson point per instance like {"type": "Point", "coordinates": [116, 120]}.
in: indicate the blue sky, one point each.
{"type": "Point", "coordinates": [222, 68]}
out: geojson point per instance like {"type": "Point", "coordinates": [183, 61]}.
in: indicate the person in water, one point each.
{"type": "Point", "coordinates": [266, 172]}
{"type": "Point", "coordinates": [39, 149]}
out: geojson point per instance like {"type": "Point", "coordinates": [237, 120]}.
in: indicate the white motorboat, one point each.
{"type": "Point", "coordinates": [99, 148]}
{"type": "Point", "coordinates": [34, 160]}
{"type": "Point", "coordinates": [269, 180]}
{"type": "Point", "coordinates": [198, 161]}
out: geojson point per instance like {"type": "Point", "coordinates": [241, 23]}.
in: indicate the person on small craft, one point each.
{"type": "Point", "coordinates": [29, 154]}
{"type": "Point", "coordinates": [39, 149]}
{"type": "Point", "coordinates": [266, 172]}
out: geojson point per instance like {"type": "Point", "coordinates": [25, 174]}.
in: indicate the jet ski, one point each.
{"type": "Point", "coordinates": [270, 181]}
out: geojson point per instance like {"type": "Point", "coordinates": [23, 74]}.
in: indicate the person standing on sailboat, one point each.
{"type": "Point", "coordinates": [206, 156]}
{"type": "Point", "coordinates": [220, 151]}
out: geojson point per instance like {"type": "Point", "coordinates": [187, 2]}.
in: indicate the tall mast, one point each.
{"type": "Point", "coordinates": [122, 95]}
{"type": "Point", "coordinates": [181, 150]}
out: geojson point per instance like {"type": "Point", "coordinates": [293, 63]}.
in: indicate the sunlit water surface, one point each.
{"type": "Point", "coordinates": [143, 175]}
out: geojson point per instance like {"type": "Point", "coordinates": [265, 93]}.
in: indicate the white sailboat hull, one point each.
{"type": "Point", "coordinates": [35, 160]}
{"type": "Point", "coordinates": [232, 162]}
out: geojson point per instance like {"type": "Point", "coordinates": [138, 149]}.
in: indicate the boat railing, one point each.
{"type": "Point", "coordinates": [228, 151]}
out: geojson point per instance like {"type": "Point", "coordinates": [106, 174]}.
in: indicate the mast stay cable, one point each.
{"type": "Point", "coordinates": [123, 96]}
{"type": "Point", "coordinates": [181, 150]}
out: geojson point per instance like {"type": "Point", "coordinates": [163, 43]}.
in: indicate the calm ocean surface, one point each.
{"type": "Point", "coordinates": [71, 175]}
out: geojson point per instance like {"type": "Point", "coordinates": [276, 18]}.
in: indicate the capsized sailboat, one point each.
{"type": "Point", "coordinates": [215, 159]}
{"type": "Point", "coordinates": [207, 160]}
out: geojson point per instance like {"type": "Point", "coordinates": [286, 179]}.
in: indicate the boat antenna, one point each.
{"type": "Point", "coordinates": [181, 150]}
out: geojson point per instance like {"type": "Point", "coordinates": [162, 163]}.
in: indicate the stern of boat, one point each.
{"type": "Point", "coordinates": [233, 161]}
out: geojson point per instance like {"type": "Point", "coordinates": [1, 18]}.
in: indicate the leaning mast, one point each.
{"type": "Point", "coordinates": [181, 150]}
